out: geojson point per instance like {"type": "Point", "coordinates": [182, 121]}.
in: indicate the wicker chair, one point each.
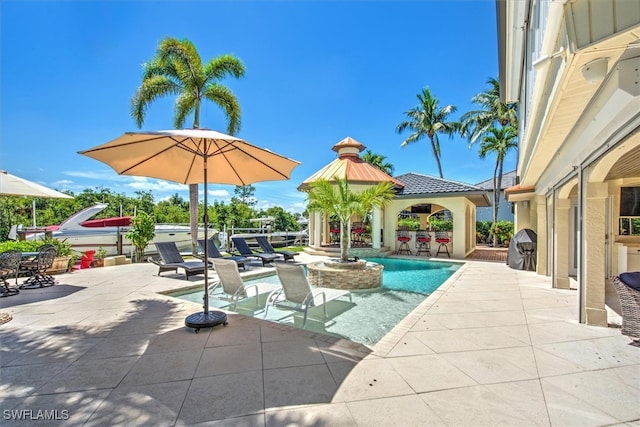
{"type": "Point", "coordinates": [630, 303]}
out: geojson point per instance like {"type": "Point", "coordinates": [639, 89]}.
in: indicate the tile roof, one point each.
{"type": "Point", "coordinates": [354, 169]}
{"type": "Point", "coordinates": [415, 183]}
{"type": "Point", "coordinates": [508, 180]}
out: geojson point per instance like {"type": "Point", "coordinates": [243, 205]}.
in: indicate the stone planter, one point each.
{"type": "Point", "coordinates": [356, 275]}
{"type": "Point", "coordinates": [60, 265]}
{"type": "Point", "coordinates": [98, 262]}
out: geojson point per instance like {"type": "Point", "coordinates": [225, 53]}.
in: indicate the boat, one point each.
{"type": "Point", "coordinates": [86, 234]}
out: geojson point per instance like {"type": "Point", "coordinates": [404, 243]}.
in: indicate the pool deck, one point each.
{"type": "Point", "coordinates": [492, 346]}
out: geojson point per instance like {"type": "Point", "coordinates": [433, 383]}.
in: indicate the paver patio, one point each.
{"type": "Point", "coordinates": [492, 346]}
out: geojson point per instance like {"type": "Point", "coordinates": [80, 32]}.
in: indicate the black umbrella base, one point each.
{"type": "Point", "coordinates": [206, 320]}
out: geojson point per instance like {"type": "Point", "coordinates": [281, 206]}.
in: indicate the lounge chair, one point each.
{"type": "Point", "coordinates": [231, 285]}
{"type": "Point", "coordinates": [9, 266]}
{"type": "Point", "coordinates": [297, 294]}
{"type": "Point", "coordinates": [214, 252]}
{"type": "Point", "coordinates": [243, 248]}
{"type": "Point", "coordinates": [37, 267]}
{"type": "Point", "coordinates": [628, 288]}
{"type": "Point", "coordinates": [171, 260]}
{"type": "Point", "coordinates": [266, 247]}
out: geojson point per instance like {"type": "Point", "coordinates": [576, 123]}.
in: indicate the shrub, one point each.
{"type": "Point", "coordinates": [440, 224]}
{"type": "Point", "coordinates": [483, 231]}
{"type": "Point", "coordinates": [142, 231]}
{"type": "Point", "coordinates": [503, 230]}
{"type": "Point", "coordinates": [409, 223]}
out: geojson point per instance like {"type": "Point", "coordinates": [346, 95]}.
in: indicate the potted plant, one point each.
{"type": "Point", "coordinates": [142, 231]}
{"type": "Point", "coordinates": [98, 257]}
{"type": "Point", "coordinates": [65, 256]}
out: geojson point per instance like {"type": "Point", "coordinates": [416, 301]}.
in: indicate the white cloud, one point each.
{"type": "Point", "coordinates": [145, 184]}
{"type": "Point", "coordinates": [220, 194]}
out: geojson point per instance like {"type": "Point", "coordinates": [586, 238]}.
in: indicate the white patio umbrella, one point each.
{"type": "Point", "coordinates": [193, 156]}
{"type": "Point", "coordinates": [11, 185]}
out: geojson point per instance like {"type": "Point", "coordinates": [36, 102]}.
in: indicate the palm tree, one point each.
{"type": "Point", "coordinates": [499, 141]}
{"type": "Point", "coordinates": [377, 160]}
{"type": "Point", "coordinates": [340, 201]}
{"type": "Point", "coordinates": [428, 119]}
{"type": "Point", "coordinates": [177, 69]}
{"type": "Point", "coordinates": [492, 111]}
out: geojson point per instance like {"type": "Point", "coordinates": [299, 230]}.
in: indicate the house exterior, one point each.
{"type": "Point", "coordinates": [505, 208]}
{"type": "Point", "coordinates": [422, 194]}
{"type": "Point", "coordinates": [573, 66]}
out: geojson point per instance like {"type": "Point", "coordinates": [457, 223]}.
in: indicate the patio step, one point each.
{"type": "Point", "coordinates": [116, 260]}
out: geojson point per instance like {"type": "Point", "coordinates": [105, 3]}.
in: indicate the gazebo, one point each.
{"type": "Point", "coordinates": [421, 194]}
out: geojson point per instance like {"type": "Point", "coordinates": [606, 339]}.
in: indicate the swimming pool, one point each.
{"type": "Point", "coordinates": [406, 283]}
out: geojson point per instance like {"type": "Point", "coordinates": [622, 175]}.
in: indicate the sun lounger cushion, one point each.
{"type": "Point", "coordinates": [632, 279]}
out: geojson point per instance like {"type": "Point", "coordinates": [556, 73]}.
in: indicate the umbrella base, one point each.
{"type": "Point", "coordinates": [206, 320]}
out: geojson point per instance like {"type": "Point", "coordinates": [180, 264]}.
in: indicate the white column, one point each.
{"type": "Point", "coordinates": [594, 234]}
{"type": "Point", "coordinates": [317, 226]}
{"type": "Point", "coordinates": [375, 228]}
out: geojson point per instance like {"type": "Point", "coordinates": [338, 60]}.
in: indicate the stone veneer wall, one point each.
{"type": "Point", "coordinates": [366, 252]}
{"type": "Point", "coordinates": [368, 278]}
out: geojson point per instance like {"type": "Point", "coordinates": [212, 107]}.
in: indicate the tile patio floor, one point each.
{"type": "Point", "coordinates": [493, 346]}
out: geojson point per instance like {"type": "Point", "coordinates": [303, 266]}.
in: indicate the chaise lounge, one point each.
{"type": "Point", "coordinates": [171, 260]}
{"type": "Point", "coordinates": [266, 247]}
{"type": "Point", "coordinates": [214, 252]}
{"type": "Point", "coordinates": [297, 294]}
{"type": "Point", "coordinates": [243, 248]}
{"type": "Point", "coordinates": [231, 288]}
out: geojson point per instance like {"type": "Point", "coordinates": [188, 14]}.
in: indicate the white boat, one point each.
{"type": "Point", "coordinates": [109, 233]}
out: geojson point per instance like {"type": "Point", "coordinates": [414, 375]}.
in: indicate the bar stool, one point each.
{"type": "Point", "coordinates": [442, 237]}
{"type": "Point", "coordinates": [404, 238]}
{"type": "Point", "coordinates": [423, 242]}
{"type": "Point", "coordinates": [357, 230]}
{"type": "Point", "coordinates": [334, 230]}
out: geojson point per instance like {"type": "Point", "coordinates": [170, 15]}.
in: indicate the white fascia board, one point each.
{"type": "Point", "coordinates": [514, 26]}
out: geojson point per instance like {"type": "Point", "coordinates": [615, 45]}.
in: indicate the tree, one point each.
{"type": "Point", "coordinates": [177, 69]}
{"type": "Point", "coordinates": [499, 141]}
{"type": "Point", "coordinates": [427, 119]}
{"type": "Point", "coordinates": [378, 160]}
{"type": "Point", "coordinates": [141, 232]}
{"type": "Point", "coordinates": [492, 111]}
{"type": "Point", "coordinates": [245, 194]}
{"type": "Point", "coordinates": [340, 201]}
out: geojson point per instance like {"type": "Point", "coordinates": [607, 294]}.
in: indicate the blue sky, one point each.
{"type": "Point", "coordinates": [316, 72]}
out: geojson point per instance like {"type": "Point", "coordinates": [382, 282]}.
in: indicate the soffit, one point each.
{"type": "Point", "coordinates": [569, 102]}
{"type": "Point", "coordinates": [627, 166]}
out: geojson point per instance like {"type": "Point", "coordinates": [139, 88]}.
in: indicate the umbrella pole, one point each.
{"type": "Point", "coordinates": [206, 319]}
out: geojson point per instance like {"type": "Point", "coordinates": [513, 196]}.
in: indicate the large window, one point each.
{"type": "Point", "coordinates": [629, 211]}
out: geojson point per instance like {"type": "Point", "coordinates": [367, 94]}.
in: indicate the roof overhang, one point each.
{"type": "Point", "coordinates": [478, 198]}
{"type": "Point", "coordinates": [518, 193]}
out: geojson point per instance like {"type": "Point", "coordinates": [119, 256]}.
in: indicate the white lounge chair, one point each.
{"type": "Point", "coordinates": [232, 288]}
{"type": "Point", "coordinates": [297, 294]}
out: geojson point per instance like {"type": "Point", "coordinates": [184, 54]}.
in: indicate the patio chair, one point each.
{"type": "Point", "coordinates": [37, 267]}
{"type": "Point", "coordinates": [266, 247]}
{"type": "Point", "coordinates": [231, 287]}
{"type": "Point", "coordinates": [628, 288]}
{"type": "Point", "coordinates": [423, 242]}
{"type": "Point", "coordinates": [403, 236]}
{"type": "Point", "coordinates": [214, 252]}
{"type": "Point", "coordinates": [243, 248]}
{"type": "Point", "coordinates": [9, 267]}
{"type": "Point", "coordinates": [297, 294]}
{"type": "Point", "coordinates": [171, 260]}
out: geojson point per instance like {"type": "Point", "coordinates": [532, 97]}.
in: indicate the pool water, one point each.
{"type": "Point", "coordinates": [373, 313]}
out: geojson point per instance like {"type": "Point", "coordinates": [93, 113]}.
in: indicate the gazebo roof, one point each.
{"type": "Point", "coordinates": [416, 184]}
{"type": "Point", "coordinates": [349, 165]}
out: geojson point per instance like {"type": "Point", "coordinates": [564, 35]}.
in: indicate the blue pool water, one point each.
{"type": "Point", "coordinates": [373, 313]}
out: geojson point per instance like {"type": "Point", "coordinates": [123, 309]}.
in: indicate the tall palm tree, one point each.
{"type": "Point", "coordinates": [428, 119]}
{"type": "Point", "coordinates": [492, 111]}
{"type": "Point", "coordinates": [499, 141]}
{"type": "Point", "coordinates": [340, 201]}
{"type": "Point", "coordinates": [377, 160]}
{"type": "Point", "coordinates": [177, 69]}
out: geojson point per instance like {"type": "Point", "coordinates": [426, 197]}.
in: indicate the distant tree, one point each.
{"type": "Point", "coordinates": [492, 111]}
{"type": "Point", "coordinates": [246, 194]}
{"type": "Point", "coordinates": [427, 119]}
{"type": "Point", "coordinates": [177, 69]}
{"type": "Point", "coordinates": [378, 160]}
{"type": "Point", "coordinates": [499, 141]}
